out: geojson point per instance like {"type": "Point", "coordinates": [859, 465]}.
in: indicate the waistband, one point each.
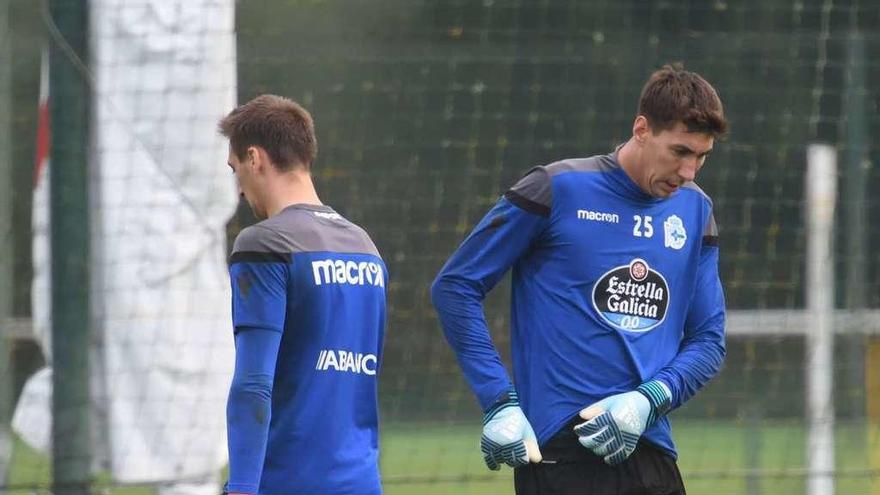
{"type": "Point", "coordinates": [564, 447]}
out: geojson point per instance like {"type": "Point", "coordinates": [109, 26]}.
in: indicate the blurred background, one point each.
{"type": "Point", "coordinates": [426, 112]}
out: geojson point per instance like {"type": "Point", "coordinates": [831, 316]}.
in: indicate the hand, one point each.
{"type": "Point", "coordinates": [507, 435]}
{"type": "Point", "coordinates": [614, 425]}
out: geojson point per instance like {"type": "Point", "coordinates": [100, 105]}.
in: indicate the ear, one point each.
{"type": "Point", "coordinates": [255, 158]}
{"type": "Point", "coordinates": [641, 129]}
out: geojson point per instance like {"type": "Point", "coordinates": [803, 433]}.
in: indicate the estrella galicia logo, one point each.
{"type": "Point", "coordinates": [632, 297]}
{"type": "Point", "coordinates": [675, 234]}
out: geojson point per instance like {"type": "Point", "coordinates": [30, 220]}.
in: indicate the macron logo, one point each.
{"type": "Point", "coordinates": [331, 216]}
{"type": "Point", "coordinates": [348, 272]}
{"type": "Point", "coordinates": [352, 362]}
{"type": "Point", "coordinates": [598, 216]}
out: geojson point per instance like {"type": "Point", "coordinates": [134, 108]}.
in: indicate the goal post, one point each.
{"type": "Point", "coordinates": [821, 197]}
{"type": "Point", "coordinates": [69, 239]}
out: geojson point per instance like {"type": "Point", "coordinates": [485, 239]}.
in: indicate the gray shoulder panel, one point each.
{"type": "Point", "coordinates": [303, 228]}
{"type": "Point", "coordinates": [711, 228]}
{"type": "Point", "coordinates": [694, 187]}
{"type": "Point", "coordinates": [535, 187]}
{"type": "Point", "coordinates": [259, 239]}
{"type": "Point", "coordinates": [598, 163]}
{"type": "Point", "coordinates": [534, 192]}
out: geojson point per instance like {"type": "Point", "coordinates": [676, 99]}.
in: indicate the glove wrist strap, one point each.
{"type": "Point", "coordinates": [507, 399]}
{"type": "Point", "coordinates": [659, 396]}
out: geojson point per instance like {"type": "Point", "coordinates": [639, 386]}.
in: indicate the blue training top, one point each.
{"type": "Point", "coordinates": [308, 308]}
{"type": "Point", "coordinates": [611, 288]}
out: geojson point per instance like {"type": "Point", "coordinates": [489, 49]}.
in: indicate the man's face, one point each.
{"type": "Point", "coordinates": [244, 177]}
{"type": "Point", "coordinates": [672, 157]}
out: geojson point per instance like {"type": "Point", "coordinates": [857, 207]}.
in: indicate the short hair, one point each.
{"type": "Point", "coordinates": [278, 125]}
{"type": "Point", "coordinates": [673, 95]}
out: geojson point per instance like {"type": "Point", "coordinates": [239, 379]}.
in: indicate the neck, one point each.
{"type": "Point", "coordinates": [291, 188]}
{"type": "Point", "coordinates": [630, 161]}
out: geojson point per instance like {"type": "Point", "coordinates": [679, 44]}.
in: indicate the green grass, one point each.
{"type": "Point", "coordinates": [29, 472]}
{"type": "Point", "coordinates": [715, 457]}
{"type": "Point", "coordinates": [438, 460]}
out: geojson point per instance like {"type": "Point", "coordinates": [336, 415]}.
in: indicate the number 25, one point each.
{"type": "Point", "coordinates": [643, 227]}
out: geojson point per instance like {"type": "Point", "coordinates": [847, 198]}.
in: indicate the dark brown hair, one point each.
{"type": "Point", "coordinates": [673, 95]}
{"type": "Point", "coordinates": [278, 125]}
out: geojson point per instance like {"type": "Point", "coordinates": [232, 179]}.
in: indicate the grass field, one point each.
{"type": "Point", "coordinates": [716, 458]}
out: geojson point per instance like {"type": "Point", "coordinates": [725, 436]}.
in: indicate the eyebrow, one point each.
{"type": "Point", "coordinates": [681, 147]}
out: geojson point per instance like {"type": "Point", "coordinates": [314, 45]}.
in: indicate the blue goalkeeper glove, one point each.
{"type": "Point", "coordinates": [507, 435]}
{"type": "Point", "coordinates": [615, 424]}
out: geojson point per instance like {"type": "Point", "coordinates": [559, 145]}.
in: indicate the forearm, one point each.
{"type": "Point", "coordinates": [459, 307]}
{"type": "Point", "coordinates": [697, 362]}
{"type": "Point", "coordinates": [501, 237]}
{"type": "Point", "coordinates": [248, 412]}
{"type": "Point", "coordinates": [249, 408]}
{"type": "Point", "coordinates": [702, 348]}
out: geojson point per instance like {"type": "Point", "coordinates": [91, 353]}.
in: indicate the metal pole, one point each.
{"type": "Point", "coordinates": [69, 104]}
{"type": "Point", "coordinates": [856, 215]}
{"type": "Point", "coordinates": [6, 242]}
{"type": "Point", "coordinates": [821, 196]}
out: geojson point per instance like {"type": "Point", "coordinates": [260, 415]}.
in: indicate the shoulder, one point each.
{"type": "Point", "coordinates": [305, 229]}
{"type": "Point", "coordinates": [534, 190]}
{"type": "Point", "coordinates": [544, 173]}
{"type": "Point", "coordinates": [598, 163]}
{"type": "Point", "coordinates": [695, 189]}
{"type": "Point", "coordinates": [260, 243]}
{"type": "Point", "coordinates": [710, 229]}
{"type": "Point", "coordinates": [364, 243]}
{"type": "Point", "coordinates": [258, 237]}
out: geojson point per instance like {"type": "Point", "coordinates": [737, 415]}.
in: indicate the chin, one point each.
{"type": "Point", "coordinates": [661, 190]}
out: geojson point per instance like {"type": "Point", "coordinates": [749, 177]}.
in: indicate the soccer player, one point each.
{"type": "Point", "coordinates": [617, 312]}
{"type": "Point", "coordinates": [308, 308]}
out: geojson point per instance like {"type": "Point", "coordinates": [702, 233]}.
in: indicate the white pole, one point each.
{"type": "Point", "coordinates": [821, 197]}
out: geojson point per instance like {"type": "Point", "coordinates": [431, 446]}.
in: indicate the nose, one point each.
{"type": "Point", "coordinates": [688, 169]}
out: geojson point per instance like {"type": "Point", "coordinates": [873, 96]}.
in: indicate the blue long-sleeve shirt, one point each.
{"type": "Point", "coordinates": [308, 306]}
{"type": "Point", "coordinates": [611, 288]}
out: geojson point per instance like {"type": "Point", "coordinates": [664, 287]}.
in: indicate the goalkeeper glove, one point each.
{"type": "Point", "coordinates": [615, 424]}
{"type": "Point", "coordinates": [507, 435]}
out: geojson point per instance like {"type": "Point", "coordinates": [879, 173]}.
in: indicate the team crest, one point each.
{"type": "Point", "coordinates": [632, 297]}
{"type": "Point", "coordinates": [675, 235]}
